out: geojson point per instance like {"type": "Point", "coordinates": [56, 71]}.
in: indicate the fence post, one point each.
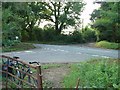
{"type": "Point", "coordinates": [77, 84]}
{"type": "Point", "coordinates": [39, 78]}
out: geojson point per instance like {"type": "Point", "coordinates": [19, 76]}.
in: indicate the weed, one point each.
{"type": "Point", "coordinates": [102, 73]}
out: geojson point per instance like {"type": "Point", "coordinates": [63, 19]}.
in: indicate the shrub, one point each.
{"type": "Point", "coordinates": [25, 36]}
{"type": "Point", "coordinates": [38, 33]}
{"type": "Point", "coordinates": [49, 34]}
{"type": "Point", "coordinates": [96, 73]}
{"type": "Point", "coordinates": [7, 43]}
{"type": "Point", "coordinates": [75, 37]}
{"type": "Point", "coordinates": [106, 44]}
{"type": "Point", "coordinates": [89, 35]}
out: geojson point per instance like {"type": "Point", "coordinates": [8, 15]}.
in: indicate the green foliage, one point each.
{"type": "Point", "coordinates": [75, 37]}
{"type": "Point", "coordinates": [11, 27]}
{"type": "Point", "coordinates": [25, 35]}
{"type": "Point", "coordinates": [89, 35]}
{"type": "Point", "coordinates": [48, 34]}
{"type": "Point", "coordinates": [108, 45]}
{"type": "Point", "coordinates": [10, 42]}
{"type": "Point", "coordinates": [97, 73]}
{"type": "Point", "coordinates": [106, 21]}
{"type": "Point", "coordinates": [38, 34]}
{"type": "Point", "coordinates": [21, 19]}
{"type": "Point", "coordinates": [18, 47]}
{"type": "Point", "coordinates": [63, 14]}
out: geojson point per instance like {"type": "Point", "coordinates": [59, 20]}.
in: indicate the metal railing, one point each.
{"type": "Point", "coordinates": [18, 74]}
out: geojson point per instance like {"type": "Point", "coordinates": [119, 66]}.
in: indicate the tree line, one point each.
{"type": "Point", "coordinates": [22, 20]}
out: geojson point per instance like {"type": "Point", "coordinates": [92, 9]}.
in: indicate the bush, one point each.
{"type": "Point", "coordinates": [18, 47]}
{"type": "Point", "coordinates": [75, 37]}
{"type": "Point", "coordinates": [108, 45]}
{"type": "Point", "coordinates": [49, 35]}
{"type": "Point", "coordinates": [89, 35]}
{"type": "Point", "coordinates": [38, 34]}
{"type": "Point", "coordinates": [25, 36]}
{"type": "Point", "coordinates": [96, 73]}
{"type": "Point", "coordinates": [7, 43]}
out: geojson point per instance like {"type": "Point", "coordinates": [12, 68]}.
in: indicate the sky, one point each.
{"type": "Point", "coordinates": [89, 7]}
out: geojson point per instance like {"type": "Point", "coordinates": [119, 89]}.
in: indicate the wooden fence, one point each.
{"type": "Point", "coordinates": [18, 74]}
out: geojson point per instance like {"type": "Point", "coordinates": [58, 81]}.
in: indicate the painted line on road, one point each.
{"type": "Point", "coordinates": [61, 50]}
{"type": "Point", "coordinates": [18, 52]}
{"type": "Point", "coordinates": [95, 55]}
{"type": "Point", "coordinates": [105, 56]}
{"type": "Point", "coordinates": [79, 53]}
{"type": "Point", "coordinates": [29, 51]}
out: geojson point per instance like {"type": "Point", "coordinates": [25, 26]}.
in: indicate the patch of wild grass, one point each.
{"type": "Point", "coordinates": [18, 47]}
{"type": "Point", "coordinates": [97, 73]}
{"type": "Point", "coordinates": [108, 45]}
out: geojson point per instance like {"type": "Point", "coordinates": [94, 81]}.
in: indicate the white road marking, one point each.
{"type": "Point", "coordinates": [62, 50]}
{"type": "Point", "coordinates": [28, 51]}
{"type": "Point", "coordinates": [53, 50]}
{"type": "Point", "coordinates": [95, 55]}
{"type": "Point", "coordinates": [45, 48]}
{"type": "Point", "coordinates": [79, 53]}
{"type": "Point", "coordinates": [18, 52]}
{"type": "Point", "coordinates": [59, 50]}
{"type": "Point", "coordinates": [105, 56]}
{"type": "Point", "coordinates": [97, 50]}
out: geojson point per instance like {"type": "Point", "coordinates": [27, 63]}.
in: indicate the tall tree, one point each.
{"type": "Point", "coordinates": [30, 13]}
{"type": "Point", "coordinates": [63, 14]}
{"type": "Point", "coordinates": [106, 21]}
{"type": "Point", "coordinates": [24, 14]}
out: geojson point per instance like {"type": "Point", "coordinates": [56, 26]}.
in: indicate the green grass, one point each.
{"type": "Point", "coordinates": [53, 42]}
{"type": "Point", "coordinates": [50, 42]}
{"type": "Point", "coordinates": [18, 47]}
{"type": "Point", "coordinates": [108, 45]}
{"type": "Point", "coordinates": [97, 73]}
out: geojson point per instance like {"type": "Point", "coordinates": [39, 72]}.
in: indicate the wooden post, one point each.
{"type": "Point", "coordinates": [39, 78]}
{"type": "Point", "coordinates": [77, 84]}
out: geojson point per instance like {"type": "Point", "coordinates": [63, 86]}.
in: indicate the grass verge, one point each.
{"type": "Point", "coordinates": [53, 42]}
{"type": "Point", "coordinates": [96, 73]}
{"type": "Point", "coordinates": [108, 45]}
{"type": "Point", "coordinates": [18, 47]}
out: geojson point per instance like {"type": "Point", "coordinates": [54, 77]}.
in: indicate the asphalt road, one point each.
{"type": "Point", "coordinates": [62, 53]}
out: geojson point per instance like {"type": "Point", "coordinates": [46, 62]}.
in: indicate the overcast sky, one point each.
{"type": "Point", "coordinates": [89, 7]}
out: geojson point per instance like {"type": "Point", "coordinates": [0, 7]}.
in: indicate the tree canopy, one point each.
{"type": "Point", "coordinates": [20, 18]}
{"type": "Point", "coordinates": [63, 14]}
{"type": "Point", "coordinates": [106, 21]}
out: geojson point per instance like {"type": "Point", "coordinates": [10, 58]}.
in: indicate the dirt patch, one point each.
{"type": "Point", "coordinates": [54, 76]}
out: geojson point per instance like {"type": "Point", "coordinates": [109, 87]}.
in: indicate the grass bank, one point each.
{"type": "Point", "coordinates": [96, 73]}
{"type": "Point", "coordinates": [18, 47]}
{"type": "Point", "coordinates": [53, 42]}
{"type": "Point", "coordinates": [108, 45]}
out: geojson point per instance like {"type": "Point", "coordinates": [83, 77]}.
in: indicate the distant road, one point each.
{"type": "Point", "coordinates": [62, 53]}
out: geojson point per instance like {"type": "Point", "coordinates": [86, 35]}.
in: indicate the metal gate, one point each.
{"type": "Point", "coordinates": [18, 74]}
